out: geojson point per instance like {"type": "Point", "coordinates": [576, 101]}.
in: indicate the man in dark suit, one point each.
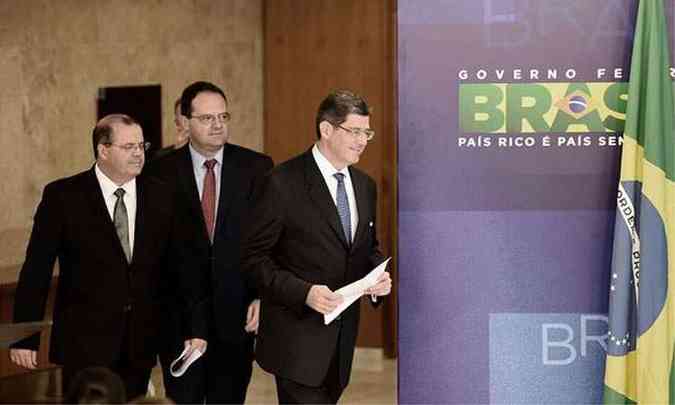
{"type": "Point", "coordinates": [116, 238]}
{"type": "Point", "coordinates": [312, 232]}
{"type": "Point", "coordinates": [214, 180]}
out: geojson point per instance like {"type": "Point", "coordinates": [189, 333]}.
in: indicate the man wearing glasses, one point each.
{"type": "Point", "coordinates": [214, 183]}
{"type": "Point", "coordinates": [312, 231]}
{"type": "Point", "coordinates": [116, 236]}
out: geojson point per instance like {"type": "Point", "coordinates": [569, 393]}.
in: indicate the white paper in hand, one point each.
{"type": "Point", "coordinates": [181, 364]}
{"type": "Point", "coordinates": [355, 290]}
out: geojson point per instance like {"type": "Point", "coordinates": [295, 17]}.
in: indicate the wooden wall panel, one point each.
{"type": "Point", "coordinates": [313, 47]}
{"type": "Point", "coordinates": [55, 55]}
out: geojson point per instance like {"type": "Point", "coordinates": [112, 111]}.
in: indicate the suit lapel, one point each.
{"type": "Point", "coordinates": [100, 218]}
{"type": "Point", "coordinates": [318, 192]}
{"type": "Point", "coordinates": [188, 185]}
{"type": "Point", "coordinates": [140, 225]}
{"type": "Point", "coordinates": [359, 184]}
{"type": "Point", "coordinates": [228, 179]}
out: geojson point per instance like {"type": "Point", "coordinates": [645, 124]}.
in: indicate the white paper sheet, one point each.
{"type": "Point", "coordinates": [354, 291]}
{"type": "Point", "coordinates": [181, 364]}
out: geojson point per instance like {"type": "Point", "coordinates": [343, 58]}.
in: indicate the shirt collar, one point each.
{"type": "Point", "coordinates": [326, 168]}
{"type": "Point", "coordinates": [108, 187]}
{"type": "Point", "coordinates": [198, 160]}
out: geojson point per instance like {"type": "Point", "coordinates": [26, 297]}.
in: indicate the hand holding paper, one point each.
{"type": "Point", "coordinates": [382, 287]}
{"type": "Point", "coordinates": [181, 364]}
{"type": "Point", "coordinates": [194, 349]}
{"type": "Point", "coordinates": [355, 290]}
{"type": "Point", "coordinates": [321, 299]}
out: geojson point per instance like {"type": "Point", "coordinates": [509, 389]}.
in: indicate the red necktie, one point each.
{"type": "Point", "coordinates": [209, 197]}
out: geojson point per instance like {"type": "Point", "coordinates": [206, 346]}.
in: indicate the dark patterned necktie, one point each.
{"type": "Point", "coordinates": [121, 221]}
{"type": "Point", "coordinates": [343, 207]}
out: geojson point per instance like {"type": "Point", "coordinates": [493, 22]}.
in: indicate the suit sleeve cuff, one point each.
{"type": "Point", "coordinates": [30, 343]}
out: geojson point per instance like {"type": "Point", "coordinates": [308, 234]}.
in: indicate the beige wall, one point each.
{"type": "Point", "coordinates": [55, 54]}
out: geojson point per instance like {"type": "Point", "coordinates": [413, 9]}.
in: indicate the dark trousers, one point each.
{"type": "Point", "coordinates": [220, 376]}
{"type": "Point", "coordinates": [134, 376]}
{"type": "Point", "coordinates": [329, 392]}
{"type": "Point", "coordinates": [135, 379]}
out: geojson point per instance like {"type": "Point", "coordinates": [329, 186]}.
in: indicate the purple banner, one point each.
{"type": "Point", "coordinates": [511, 113]}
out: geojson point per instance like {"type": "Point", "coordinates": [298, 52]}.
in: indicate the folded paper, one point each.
{"type": "Point", "coordinates": [181, 364]}
{"type": "Point", "coordinates": [355, 290]}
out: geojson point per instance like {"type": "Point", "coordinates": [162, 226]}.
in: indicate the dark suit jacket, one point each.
{"type": "Point", "coordinates": [160, 153]}
{"type": "Point", "coordinates": [295, 240]}
{"type": "Point", "coordinates": [230, 294]}
{"type": "Point", "coordinates": [97, 289]}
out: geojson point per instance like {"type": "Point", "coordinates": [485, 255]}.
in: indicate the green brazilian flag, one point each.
{"type": "Point", "coordinates": [640, 366]}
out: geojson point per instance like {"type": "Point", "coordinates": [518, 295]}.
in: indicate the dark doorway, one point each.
{"type": "Point", "coordinates": [144, 103]}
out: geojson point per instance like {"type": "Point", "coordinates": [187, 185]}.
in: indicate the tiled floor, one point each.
{"type": "Point", "coordinates": [373, 381]}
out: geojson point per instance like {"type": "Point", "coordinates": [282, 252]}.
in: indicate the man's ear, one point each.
{"type": "Point", "coordinates": [102, 151]}
{"type": "Point", "coordinates": [184, 121]}
{"type": "Point", "coordinates": [326, 129]}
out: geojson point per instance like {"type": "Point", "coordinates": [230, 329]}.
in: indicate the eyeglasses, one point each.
{"type": "Point", "coordinates": [210, 119]}
{"type": "Point", "coordinates": [128, 147]}
{"type": "Point", "coordinates": [368, 133]}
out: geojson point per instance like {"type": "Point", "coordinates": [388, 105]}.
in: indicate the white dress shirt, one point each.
{"type": "Point", "coordinates": [327, 171]}
{"type": "Point", "coordinates": [108, 188]}
{"type": "Point", "coordinates": [200, 172]}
